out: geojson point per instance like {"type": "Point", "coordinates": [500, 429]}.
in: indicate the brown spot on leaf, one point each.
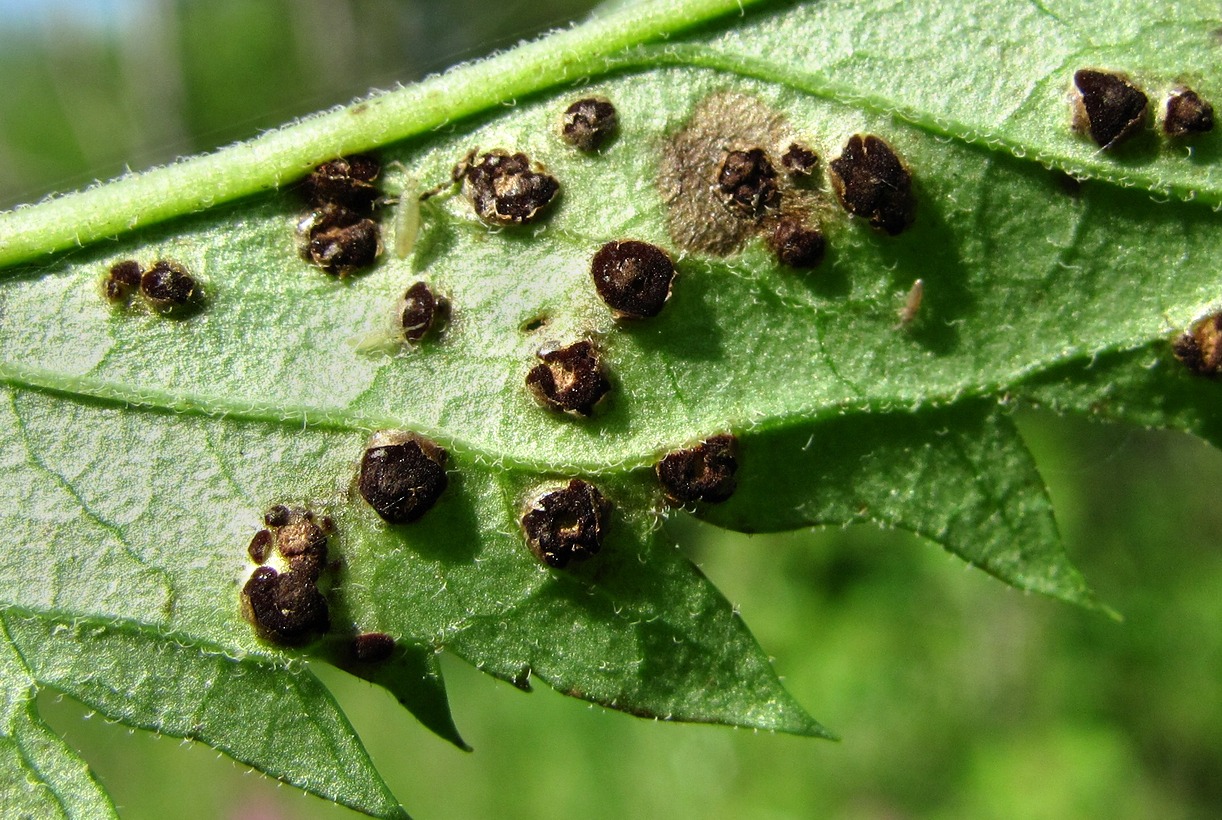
{"type": "Point", "coordinates": [566, 525]}
{"type": "Point", "coordinates": [347, 182]}
{"type": "Point", "coordinates": [339, 240]}
{"type": "Point", "coordinates": [588, 123]}
{"type": "Point", "coordinates": [1200, 349]}
{"type": "Point", "coordinates": [701, 473]}
{"type": "Point", "coordinates": [799, 160]}
{"type": "Point", "coordinates": [633, 278]}
{"type": "Point", "coordinates": [871, 182]}
{"type": "Point", "coordinates": [402, 475]}
{"type": "Point", "coordinates": [570, 379]}
{"type": "Point", "coordinates": [285, 608]}
{"type": "Point", "coordinates": [1111, 110]}
{"type": "Point", "coordinates": [122, 280]}
{"type": "Point", "coordinates": [1187, 114]}
{"type": "Point", "coordinates": [260, 546]}
{"type": "Point", "coordinates": [506, 189]}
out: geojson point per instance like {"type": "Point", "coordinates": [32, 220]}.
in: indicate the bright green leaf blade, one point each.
{"type": "Point", "coordinates": [40, 776]}
{"type": "Point", "coordinates": [960, 476]}
{"type": "Point", "coordinates": [283, 722]}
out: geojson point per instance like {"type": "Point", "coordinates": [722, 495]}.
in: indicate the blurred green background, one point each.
{"type": "Point", "coordinates": [956, 696]}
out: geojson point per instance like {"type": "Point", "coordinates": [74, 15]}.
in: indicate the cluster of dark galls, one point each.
{"type": "Point", "coordinates": [165, 286]}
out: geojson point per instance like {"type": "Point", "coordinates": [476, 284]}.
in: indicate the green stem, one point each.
{"type": "Point", "coordinates": [284, 155]}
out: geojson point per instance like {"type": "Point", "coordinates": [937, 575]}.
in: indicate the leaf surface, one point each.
{"type": "Point", "coordinates": [140, 451]}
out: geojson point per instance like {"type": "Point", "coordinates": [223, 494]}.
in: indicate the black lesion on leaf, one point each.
{"type": "Point", "coordinates": [705, 472]}
{"type": "Point", "coordinates": [633, 278]}
{"type": "Point", "coordinates": [588, 123]}
{"type": "Point", "coordinates": [1200, 349]}
{"type": "Point", "coordinates": [570, 379]}
{"type": "Point", "coordinates": [871, 182]}
{"type": "Point", "coordinates": [1187, 114]}
{"type": "Point", "coordinates": [421, 312]}
{"type": "Point", "coordinates": [122, 280]}
{"type": "Point", "coordinates": [506, 189]}
{"type": "Point", "coordinates": [566, 525]}
{"type": "Point", "coordinates": [402, 475]}
{"type": "Point", "coordinates": [1111, 109]}
{"type": "Point", "coordinates": [168, 287]}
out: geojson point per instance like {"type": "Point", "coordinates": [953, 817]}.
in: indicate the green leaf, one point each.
{"type": "Point", "coordinates": [281, 721]}
{"type": "Point", "coordinates": [141, 450]}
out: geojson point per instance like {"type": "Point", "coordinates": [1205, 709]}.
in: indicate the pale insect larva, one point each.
{"type": "Point", "coordinates": [912, 305]}
{"type": "Point", "coordinates": [407, 217]}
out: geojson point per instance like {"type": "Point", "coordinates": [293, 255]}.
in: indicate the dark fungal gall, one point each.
{"type": "Point", "coordinates": [796, 244]}
{"type": "Point", "coordinates": [372, 647]}
{"type": "Point", "coordinates": [746, 182]}
{"type": "Point", "coordinates": [633, 278]}
{"type": "Point", "coordinates": [421, 311]}
{"type": "Point", "coordinates": [122, 280]}
{"type": "Point", "coordinates": [871, 182]}
{"type": "Point", "coordinates": [701, 473]}
{"type": "Point", "coordinates": [402, 475]}
{"type": "Point", "coordinates": [588, 123]}
{"type": "Point", "coordinates": [285, 608]}
{"type": "Point", "coordinates": [339, 240]}
{"type": "Point", "coordinates": [799, 161]}
{"type": "Point", "coordinates": [168, 287]}
{"type": "Point", "coordinates": [1187, 114]}
{"type": "Point", "coordinates": [346, 181]}
{"type": "Point", "coordinates": [1200, 349]}
{"type": "Point", "coordinates": [570, 379]}
{"type": "Point", "coordinates": [1112, 109]}
{"type": "Point", "coordinates": [566, 525]}
{"type": "Point", "coordinates": [277, 516]}
{"type": "Point", "coordinates": [506, 189]}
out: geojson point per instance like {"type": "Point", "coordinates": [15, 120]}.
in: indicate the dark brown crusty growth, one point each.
{"type": "Point", "coordinates": [285, 608]}
{"type": "Point", "coordinates": [506, 189]}
{"type": "Point", "coordinates": [588, 123]}
{"type": "Point", "coordinates": [1200, 349]}
{"type": "Point", "coordinates": [167, 286]}
{"type": "Point", "coordinates": [339, 240]}
{"type": "Point", "coordinates": [1113, 109]}
{"type": "Point", "coordinates": [799, 160]}
{"type": "Point", "coordinates": [1187, 114]}
{"type": "Point", "coordinates": [691, 161]}
{"type": "Point", "coordinates": [570, 379]}
{"type": "Point", "coordinates": [746, 182]}
{"type": "Point", "coordinates": [701, 473]}
{"type": "Point", "coordinates": [566, 525]}
{"type": "Point", "coordinates": [795, 243]}
{"type": "Point", "coordinates": [871, 182]}
{"type": "Point", "coordinates": [633, 278]}
{"type": "Point", "coordinates": [402, 475]}
{"type": "Point", "coordinates": [422, 310]}
{"type": "Point", "coordinates": [122, 280]}
{"type": "Point", "coordinates": [372, 647]}
{"type": "Point", "coordinates": [260, 546]}
{"type": "Point", "coordinates": [345, 181]}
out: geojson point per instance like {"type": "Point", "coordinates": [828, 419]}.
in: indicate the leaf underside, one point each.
{"type": "Point", "coordinates": [139, 452]}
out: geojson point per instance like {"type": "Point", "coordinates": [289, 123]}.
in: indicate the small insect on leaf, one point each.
{"type": "Point", "coordinates": [168, 287]}
{"type": "Point", "coordinates": [566, 525]}
{"type": "Point", "coordinates": [402, 475]}
{"type": "Point", "coordinates": [1109, 107]}
{"type": "Point", "coordinates": [701, 473]}
{"type": "Point", "coordinates": [795, 243]}
{"type": "Point", "coordinates": [1200, 349]}
{"type": "Point", "coordinates": [407, 218]}
{"type": "Point", "coordinates": [421, 311]}
{"type": "Point", "coordinates": [588, 123]}
{"type": "Point", "coordinates": [570, 379]}
{"type": "Point", "coordinates": [1187, 114]}
{"type": "Point", "coordinates": [871, 182]}
{"type": "Point", "coordinates": [912, 304]}
{"type": "Point", "coordinates": [633, 278]}
{"type": "Point", "coordinates": [506, 189]}
{"type": "Point", "coordinates": [747, 183]}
